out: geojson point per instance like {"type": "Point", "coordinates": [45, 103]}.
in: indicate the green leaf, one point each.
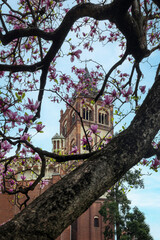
{"type": "Point", "coordinates": [56, 81]}
{"type": "Point", "coordinates": [23, 95]}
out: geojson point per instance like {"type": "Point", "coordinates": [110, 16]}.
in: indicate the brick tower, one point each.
{"type": "Point", "coordinates": [89, 226]}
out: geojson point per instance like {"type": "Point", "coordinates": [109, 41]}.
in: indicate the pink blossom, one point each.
{"type": "Point", "coordinates": [75, 54]}
{"type": "Point", "coordinates": [39, 127]}
{"type": "Point", "coordinates": [127, 93]}
{"type": "Point", "coordinates": [37, 157]}
{"type": "Point", "coordinates": [108, 139]}
{"type": "Point", "coordinates": [74, 150]}
{"type": "Point", "coordinates": [31, 105]}
{"type": "Point", "coordinates": [13, 117]}
{"type": "Point", "coordinates": [94, 128]}
{"type": "Point", "coordinates": [102, 38]}
{"type": "Point", "coordinates": [64, 78]}
{"type": "Point", "coordinates": [25, 136]}
{"type": "Point", "coordinates": [44, 183]}
{"type": "Point", "coordinates": [20, 130]}
{"type": "Point", "coordinates": [49, 4]}
{"type": "Point", "coordinates": [142, 88]}
{"type": "Point", "coordinates": [86, 45]}
{"type": "Point", "coordinates": [86, 19]}
{"type": "Point", "coordinates": [144, 162]}
{"type": "Point", "coordinates": [114, 93]}
{"type": "Point", "coordinates": [84, 140]}
{"type": "Point", "coordinates": [16, 77]}
{"type": "Point", "coordinates": [12, 182]}
{"type": "Point", "coordinates": [91, 49]}
{"type": "Point", "coordinates": [26, 46]}
{"type": "Point", "coordinates": [155, 163]}
{"type": "Point", "coordinates": [23, 151]}
{"type": "Point", "coordinates": [27, 118]}
{"type": "Point", "coordinates": [155, 145]}
{"type": "Point", "coordinates": [108, 100]}
{"type": "Point", "coordinates": [6, 146]}
{"type": "Point", "coordinates": [23, 177]}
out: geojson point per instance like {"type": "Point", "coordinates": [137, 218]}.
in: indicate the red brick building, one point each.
{"type": "Point", "coordinates": [89, 226]}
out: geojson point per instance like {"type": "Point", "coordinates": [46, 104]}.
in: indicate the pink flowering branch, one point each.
{"type": "Point", "coordinates": [109, 73]}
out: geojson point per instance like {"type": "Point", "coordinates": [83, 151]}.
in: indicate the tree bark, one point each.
{"type": "Point", "coordinates": [48, 215]}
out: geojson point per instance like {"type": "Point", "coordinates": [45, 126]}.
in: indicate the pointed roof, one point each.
{"type": "Point", "coordinates": [92, 90]}
{"type": "Point", "coordinates": [89, 91]}
{"type": "Point", "coordinates": [57, 136]}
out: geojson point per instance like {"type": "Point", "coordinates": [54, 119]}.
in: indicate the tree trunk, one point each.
{"type": "Point", "coordinates": [48, 215]}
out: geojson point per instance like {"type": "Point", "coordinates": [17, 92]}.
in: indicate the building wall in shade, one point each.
{"type": "Point", "coordinates": [82, 229]}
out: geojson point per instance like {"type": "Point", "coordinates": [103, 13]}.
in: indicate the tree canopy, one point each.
{"type": "Point", "coordinates": [34, 37]}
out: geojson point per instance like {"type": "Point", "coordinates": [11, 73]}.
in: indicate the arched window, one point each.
{"type": "Point", "coordinates": [57, 144]}
{"type": "Point", "coordinates": [73, 118]}
{"type": "Point", "coordinates": [103, 117]}
{"type": "Point", "coordinates": [64, 129]}
{"type": "Point", "coordinates": [54, 144]}
{"type": "Point", "coordinates": [62, 143]}
{"type": "Point", "coordinates": [73, 144]}
{"type": "Point", "coordinates": [96, 221]}
{"type": "Point", "coordinates": [87, 113]}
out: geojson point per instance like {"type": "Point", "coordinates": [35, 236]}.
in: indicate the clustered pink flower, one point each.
{"type": "Point", "coordinates": [25, 136]}
{"type": "Point", "coordinates": [31, 105]}
{"type": "Point", "coordinates": [64, 78]}
{"type": "Point", "coordinates": [115, 94]}
{"type": "Point", "coordinates": [127, 93]}
{"type": "Point", "coordinates": [13, 118]}
{"type": "Point", "coordinates": [108, 100]}
{"type": "Point", "coordinates": [27, 118]}
{"type": "Point", "coordinates": [84, 140]}
{"type": "Point", "coordinates": [155, 163]}
{"type": "Point", "coordinates": [6, 146]}
{"type": "Point", "coordinates": [26, 46]}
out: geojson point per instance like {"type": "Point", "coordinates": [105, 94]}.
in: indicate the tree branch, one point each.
{"type": "Point", "coordinates": [157, 3]}
{"type": "Point", "coordinates": [109, 73]}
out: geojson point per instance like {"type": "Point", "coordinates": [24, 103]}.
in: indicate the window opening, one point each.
{"type": "Point", "coordinates": [87, 114]}
{"type": "Point", "coordinates": [103, 118]}
{"type": "Point", "coordinates": [96, 221]}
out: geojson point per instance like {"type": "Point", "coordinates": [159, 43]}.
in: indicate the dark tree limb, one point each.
{"type": "Point", "coordinates": [115, 12]}
{"type": "Point", "coordinates": [48, 215]}
{"type": "Point", "coordinates": [157, 2]}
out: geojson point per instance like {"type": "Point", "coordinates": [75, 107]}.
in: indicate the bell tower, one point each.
{"type": "Point", "coordinates": [91, 113]}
